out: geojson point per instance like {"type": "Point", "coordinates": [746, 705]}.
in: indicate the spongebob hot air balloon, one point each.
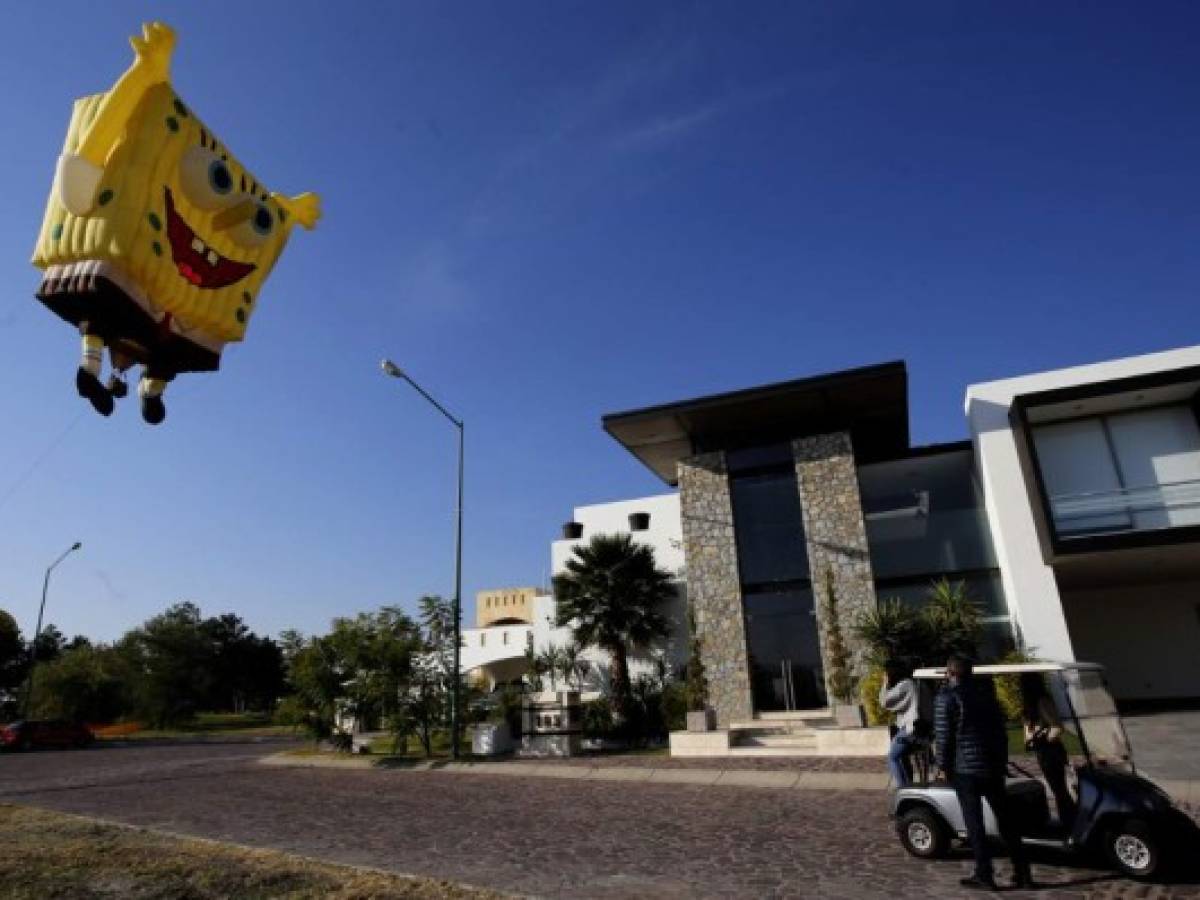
{"type": "Point", "coordinates": [156, 241]}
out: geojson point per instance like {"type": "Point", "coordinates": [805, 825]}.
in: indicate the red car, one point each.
{"type": "Point", "coordinates": [33, 733]}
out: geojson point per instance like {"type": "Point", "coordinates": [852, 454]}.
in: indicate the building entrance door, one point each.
{"type": "Point", "coordinates": [785, 651]}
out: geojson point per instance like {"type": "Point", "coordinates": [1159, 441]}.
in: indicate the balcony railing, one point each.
{"type": "Point", "coordinates": [1169, 505]}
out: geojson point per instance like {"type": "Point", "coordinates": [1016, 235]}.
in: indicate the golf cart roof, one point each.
{"type": "Point", "coordinates": [939, 672]}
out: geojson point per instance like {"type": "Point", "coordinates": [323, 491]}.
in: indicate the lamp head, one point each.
{"type": "Point", "coordinates": [390, 368]}
{"type": "Point", "coordinates": [76, 545]}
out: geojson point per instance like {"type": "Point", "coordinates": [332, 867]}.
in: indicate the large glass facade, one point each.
{"type": "Point", "coordinates": [777, 598]}
{"type": "Point", "coordinates": [925, 521]}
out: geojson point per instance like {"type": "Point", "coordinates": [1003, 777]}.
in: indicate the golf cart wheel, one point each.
{"type": "Point", "coordinates": [1133, 849]}
{"type": "Point", "coordinates": [923, 833]}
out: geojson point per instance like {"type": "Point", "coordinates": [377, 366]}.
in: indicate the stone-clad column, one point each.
{"type": "Point", "coordinates": [713, 586]}
{"type": "Point", "coordinates": [836, 534]}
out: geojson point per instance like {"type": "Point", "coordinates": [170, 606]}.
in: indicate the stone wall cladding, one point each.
{"type": "Point", "coordinates": [714, 586]}
{"type": "Point", "coordinates": [836, 534]}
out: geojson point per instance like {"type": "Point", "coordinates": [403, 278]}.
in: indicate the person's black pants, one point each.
{"type": "Point", "coordinates": [1052, 759]}
{"type": "Point", "coordinates": [972, 790]}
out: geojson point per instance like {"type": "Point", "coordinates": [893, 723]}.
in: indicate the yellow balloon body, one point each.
{"type": "Point", "coordinates": [181, 233]}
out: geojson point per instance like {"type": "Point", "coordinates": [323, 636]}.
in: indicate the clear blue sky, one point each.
{"type": "Point", "coordinates": [549, 211]}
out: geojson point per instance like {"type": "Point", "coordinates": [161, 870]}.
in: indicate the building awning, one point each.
{"type": "Point", "coordinates": [871, 403]}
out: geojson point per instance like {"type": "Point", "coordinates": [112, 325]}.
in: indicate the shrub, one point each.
{"type": "Point", "coordinates": [289, 711]}
{"type": "Point", "coordinates": [675, 706]}
{"type": "Point", "coordinates": [598, 718]}
{"type": "Point", "coordinates": [868, 694]}
{"type": "Point", "coordinates": [839, 677]}
{"type": "Point", "coordinates": [1008, 687]}
{"type": "Point", "coordinates": [697, 679]}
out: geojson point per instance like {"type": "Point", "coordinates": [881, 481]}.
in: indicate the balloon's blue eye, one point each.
{"type": "Point", "coordinates": [219, 178]}
{"type": "Point", "coordinates": [263, 222]}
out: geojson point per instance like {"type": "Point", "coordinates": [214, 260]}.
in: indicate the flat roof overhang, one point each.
{"type": "Point", "coordinates": [1114, 395]}
{"type": "Point", "coordinates": [870, 402]}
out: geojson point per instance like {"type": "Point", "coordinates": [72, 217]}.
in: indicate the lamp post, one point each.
{"type": "Point", "coordinates": [390, 368]}
{"type": "Point", "coordinates": [38, 631]}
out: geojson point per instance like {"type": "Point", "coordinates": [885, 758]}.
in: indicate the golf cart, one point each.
{"type": "Point", "coordinates": [1120, 814]}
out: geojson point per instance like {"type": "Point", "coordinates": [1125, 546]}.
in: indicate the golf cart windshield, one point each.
{"type": "Point", "coordinates": [1089, 713]}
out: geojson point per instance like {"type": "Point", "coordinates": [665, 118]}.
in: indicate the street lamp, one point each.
{"type": "Point", "coordinates": [390, 368]}
{"type": "Point", "coordinates": [37, 631]}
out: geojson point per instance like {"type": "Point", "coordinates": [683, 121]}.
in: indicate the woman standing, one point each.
{"type": "Point", "coordinates": [1043, 735]}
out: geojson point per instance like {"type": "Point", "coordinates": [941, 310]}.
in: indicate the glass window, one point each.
{"type": "Point", "coordinates": [925, 515]}
{"type": "Point", "coordinates": [768, 527]}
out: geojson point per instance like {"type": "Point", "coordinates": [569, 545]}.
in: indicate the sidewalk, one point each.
{"type": "Point", "coordinates": [1183, 792]}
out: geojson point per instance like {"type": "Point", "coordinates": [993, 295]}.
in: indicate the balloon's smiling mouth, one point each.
{"type": "Point", "coordinates": [198, 263]}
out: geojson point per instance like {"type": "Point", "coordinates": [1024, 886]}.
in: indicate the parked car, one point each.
{"type": "Point", "coordinates": [32, 733]}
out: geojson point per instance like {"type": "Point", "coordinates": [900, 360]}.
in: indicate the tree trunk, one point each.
{"type": "Point", "coordinates": [619, 678]}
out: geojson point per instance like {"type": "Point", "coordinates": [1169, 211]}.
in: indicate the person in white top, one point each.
{"type": "Point", "coordinates": [899, 696]}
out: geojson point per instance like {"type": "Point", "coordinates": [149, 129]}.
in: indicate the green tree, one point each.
{"type": "Point", "coordinates": [84, 684]}
{"type": "Point", "coordinates": [13, 657]}
{"type": "Point", "coordinates": [572, 665]}
{"type": "Point", "coordinates": [247, 670]}
{"type": "Point", "coordinates": [611, 595]}
{"type": "Point", "coordinates": [49, 643]}
{"type": "Point", "coordinates": [171, 658]}
{"type": "Point", "coordinates": [317, 681]}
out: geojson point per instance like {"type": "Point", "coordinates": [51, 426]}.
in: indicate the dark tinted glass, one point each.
{"type": "Point", "coordinates": [925, 515]}
{"type": "Point", "coordinates": [785, 655]}
{"type": "Point", "coordinates": [769, 528]}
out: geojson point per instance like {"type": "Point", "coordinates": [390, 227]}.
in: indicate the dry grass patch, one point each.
{"type": "Point", "coordinates": [47, 854]}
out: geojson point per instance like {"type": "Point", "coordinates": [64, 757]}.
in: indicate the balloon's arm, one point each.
{"type": "Point", "coordinates": [304, 209]}
{"type": "Point", "coordinates": [80, 172]}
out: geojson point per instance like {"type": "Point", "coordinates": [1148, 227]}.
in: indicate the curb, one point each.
{"type": "Point", "coordinates": [1182, 792]}
{"type": "Point", "coordinates": [740, 778]}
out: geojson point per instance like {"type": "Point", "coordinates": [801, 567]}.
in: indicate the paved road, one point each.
{"type": "Point", "coordinates": [539, 836]}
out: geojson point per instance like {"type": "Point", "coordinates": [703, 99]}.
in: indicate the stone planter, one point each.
{"type": "Point", "coordinates": [701, 720]}
{"type": "Point", "coordinates": [850, 715]}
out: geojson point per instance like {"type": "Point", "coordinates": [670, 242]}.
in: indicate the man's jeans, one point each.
{"type": "Point", "coordinates": [902, 745]}
{"type": "Point", "coordinates": [971, 791]}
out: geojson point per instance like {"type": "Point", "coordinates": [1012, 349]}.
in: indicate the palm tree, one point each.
{"type": "Point", "coordinates": [550, 662]}
{"type": "Point", "coordinates": [573, 667]}
{"type": "Point", "coordinates": [610, 595]}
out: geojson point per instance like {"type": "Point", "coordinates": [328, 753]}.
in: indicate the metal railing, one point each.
{"type": "Point", "coordinates": [1147, 508]}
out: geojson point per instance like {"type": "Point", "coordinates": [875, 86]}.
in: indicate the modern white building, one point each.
{"type": "Point", "coordinates": [511, 621]}
{"type": "Point", "coordinates": [1091, 478]}
{"type": "Point", "coordinates": [1072, 513]}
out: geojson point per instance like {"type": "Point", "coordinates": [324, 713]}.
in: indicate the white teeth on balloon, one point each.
{"type": "Point", "coordinates": [212, 257]}
{"type": "Point", "coordinates": [198, 245]}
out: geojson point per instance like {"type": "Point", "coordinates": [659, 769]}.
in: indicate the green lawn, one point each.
{"type": "Point", "coordinates": [215, 725]}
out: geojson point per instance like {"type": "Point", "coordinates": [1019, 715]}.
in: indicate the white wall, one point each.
{"type": "Point", "coordinates": [665, 536]}
{"type": "Point", "coordinates": [1028, 581]}
{"type": "Point", "coordinates": [1147, 636]}
{"type": "Point", "coordinates": [484, 646]}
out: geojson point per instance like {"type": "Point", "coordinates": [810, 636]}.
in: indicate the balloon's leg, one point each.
{"type": "Point", "coordinates": [116, 380]}
{"type": "Point", "coordinates": [87, 377]}
{"type": "Point", "coordinates": [150, 390]}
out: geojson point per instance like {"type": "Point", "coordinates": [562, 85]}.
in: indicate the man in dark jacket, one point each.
{"type": "Point", "coordinates": [972, 749]}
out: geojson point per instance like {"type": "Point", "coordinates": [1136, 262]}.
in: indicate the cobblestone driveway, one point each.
{"type": "Point", "coordinates": [541, 836]}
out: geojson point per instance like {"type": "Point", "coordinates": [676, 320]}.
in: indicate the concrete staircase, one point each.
{"type": "Point", "coordinates": [778, 734]}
